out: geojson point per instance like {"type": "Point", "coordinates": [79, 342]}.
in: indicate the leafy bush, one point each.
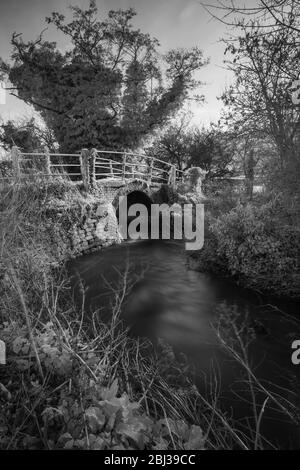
{"type": "Point", "coordinates": [222, 196]}
{"type": "Point", "coordinates": [258, 247]}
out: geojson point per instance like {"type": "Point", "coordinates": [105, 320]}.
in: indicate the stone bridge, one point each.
{"type": "Point", "coordinates": [100, 225]}
{"type": "Point", "coordinates": [107, 176]}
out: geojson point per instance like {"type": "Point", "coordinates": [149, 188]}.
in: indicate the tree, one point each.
{"type": "Point", "coordinates": [172, 145]}
{"type": "Point", "coordinates": [260, 104]}
{"type": "Point", "coordinates": [27, 135]}
{"type": "Point", "coordinates": [213, 149]}
{"type": "Point", "coordinates": [108, 90]}
{"type": "Point", "coordinates": [260, 101]}
{"type": "Point", "coordinates": [249, 158]}
{"type": "Point", "coordinates": [210, 149]}
{"type": "Point", "coordinates": [273, 15]}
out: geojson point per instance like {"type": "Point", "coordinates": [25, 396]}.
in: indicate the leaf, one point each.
{"type": "Point", "coordinates": [133, 434]}
{"type": "Point", "coordinates": [98, 444]}
{"type": "Point", "coordinates": [118, 447]}
{"type": "Point", "coordinates": [95, 418]}
{"type": "Point", "coordinates": [112, 391]}
{"type": "Point", "coordinates": [161, 444]}
{"type": "Point", "coordinates": [69, 444]}
{"type": "Point", "coordinates": [110, 408]}
{"type": "Point", "coordinates": [23, 364]}
{"type": "Point", "coordinates": [64, 438]}
{"type": "Point", "coordinates": [80, 444]}
{"type": "Point", "coordinates": [180, 428]}
{"type": "Point", "coordinates": [20, 345]}
{"type": "Point", "coordinates": [112, 420]}
{"type": "Point", "coordinates": [196, 440]}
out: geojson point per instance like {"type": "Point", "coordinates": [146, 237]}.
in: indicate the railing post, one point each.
{"type": "Point", "coordinates": [85, 170]}
{"type": "Point", "coordinates": [150, 171]}
{"type": "Point", "coordinates": [47, 163]}
{"type": "Point", "coordinates": [172, 177]}
{"type": "Point", "coordinates": [92, 168]}
{"type": "Point", "coordinates": [15, 156]}
{"type": "Point", "coordinates": [111, 168]}
{"type": "Point", "coordinates": [124, 167]}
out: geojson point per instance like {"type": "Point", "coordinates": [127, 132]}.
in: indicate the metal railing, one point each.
{"type": "Point", "coordinates": [93, 165]}
{"type": "Point", "coordinates": [130, 166]}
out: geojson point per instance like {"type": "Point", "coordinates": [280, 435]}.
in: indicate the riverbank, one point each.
{"type": "Point", "coordinates": [99, 387]}
{"type": "Point", "coordinates": [256, 245]}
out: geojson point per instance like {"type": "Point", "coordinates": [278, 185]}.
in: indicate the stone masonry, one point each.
{"type": "Point", "coordinates": [97, 228]}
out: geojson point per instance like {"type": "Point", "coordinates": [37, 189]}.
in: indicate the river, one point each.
{"type": "Point", "coordinates": [190, 310]}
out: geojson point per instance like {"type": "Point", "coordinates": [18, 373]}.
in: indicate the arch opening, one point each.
{"type": "Point", "coordinates": [144, 225]}
{"type": "Point", "coordinates": [135, 197]}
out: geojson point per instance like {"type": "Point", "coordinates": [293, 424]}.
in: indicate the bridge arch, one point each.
{"type": "Point", "coordinates": [136, 192]}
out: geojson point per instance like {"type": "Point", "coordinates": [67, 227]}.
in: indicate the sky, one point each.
{"type": "Point", "coordinates": [175, 23]}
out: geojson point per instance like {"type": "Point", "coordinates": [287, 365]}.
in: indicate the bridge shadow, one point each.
{"type": "Point", "coordinates": [148, 221]}
{"type": "Point", "coordinates": [134, 197]}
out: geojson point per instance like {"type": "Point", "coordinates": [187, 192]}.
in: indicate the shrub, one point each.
{"type": "Point", "coordinates": [257, 247]}
{"type": "Point", "coordinates": [222, 196]}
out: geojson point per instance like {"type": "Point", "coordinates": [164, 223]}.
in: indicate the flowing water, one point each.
{"type": "Point", "coordinates": [190, 310]}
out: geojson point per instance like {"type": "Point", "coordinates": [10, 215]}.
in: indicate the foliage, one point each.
{"type": "Point", "coordinates": [5, 168]}
{"type": "Point", "coordinates": [259, 247]}
{"type": "Point", "coordinates": [260, 112]}
{"type": "Point", "coordinates": [77, 408]}
{"type": "Point", "coordinates": [108, 90]}
{"type": "Point", "coordinates": [34, 237]}
{"type": "Point", "coordinates": [222, 195]}
{"type": "Point", "coordinates": [284, 181]}
{"type": "Point", "coordinates": [210, 149]}
{"type": "Point", "coordinates": [259, 104]}
{"type": "Point", "coordinates": [26, 135]}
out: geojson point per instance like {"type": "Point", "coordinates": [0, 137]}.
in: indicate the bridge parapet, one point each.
{"type": "Point", "coordinates": [92, 166]}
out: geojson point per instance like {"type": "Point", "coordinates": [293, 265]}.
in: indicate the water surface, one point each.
{"type": "Point", "coordinates": [163, 298]}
